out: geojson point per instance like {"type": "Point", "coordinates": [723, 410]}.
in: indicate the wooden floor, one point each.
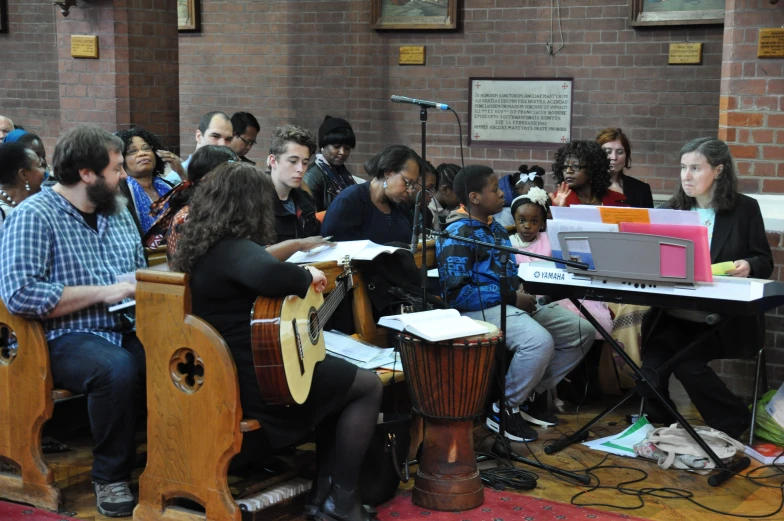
{"type": "Point", "coordinates": [738, 496]}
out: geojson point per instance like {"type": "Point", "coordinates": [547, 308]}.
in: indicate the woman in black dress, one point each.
{"type": "Point", "coordinates": [222, 247]}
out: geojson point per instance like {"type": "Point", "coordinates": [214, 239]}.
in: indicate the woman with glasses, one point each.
{"type": "Point", "coordinates": [328, 176]}
{"type": "Point", "coordinates": [619, 151]}
{"type": "Point", "coordinates": [374, 210]}
{"type": "Point", "coordinates": [582, 171]}
{"type": "Point", "coordinates": [145, 183]}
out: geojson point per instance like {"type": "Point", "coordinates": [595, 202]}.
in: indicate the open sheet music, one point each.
{"type": "Point", "coordinates": [356, 250]}
{"type": "Point", "coordinates": [435, 325]}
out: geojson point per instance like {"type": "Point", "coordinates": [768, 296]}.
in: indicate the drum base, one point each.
{"type": "Point", "coordinates": [448, 479]}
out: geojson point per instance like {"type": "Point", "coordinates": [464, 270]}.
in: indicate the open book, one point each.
{"type": "Point", "coordinates": [435, 325]}
{"type": "Point", "coordinates": [357, 250]}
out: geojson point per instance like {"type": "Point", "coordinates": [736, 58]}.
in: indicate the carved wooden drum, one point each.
{"type": "Point", "coordinates": [448, 382]}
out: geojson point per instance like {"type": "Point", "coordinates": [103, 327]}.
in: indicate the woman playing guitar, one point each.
{"type": "Point", "coordinates": [230, 220]}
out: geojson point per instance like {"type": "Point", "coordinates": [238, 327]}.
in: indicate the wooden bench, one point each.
{"type": "Point", "coordinates": [26, 385]}
{"type": "Point", "coordinates": [195, 425]}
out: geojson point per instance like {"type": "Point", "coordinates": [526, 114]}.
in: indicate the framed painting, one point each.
{"type": "Point", "coordinates": [676, 12]}
{"type": "Point", "coordinates": [188, 16]}
{"type": "Point", "coordinates": [413, 14]}
{"type": "Point", "coordinates": [3, 16]}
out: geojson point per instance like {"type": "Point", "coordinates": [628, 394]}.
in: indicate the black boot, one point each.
{"type": "Point", "coordinates": [342, 505]}
{"type": "Point", "coordinates": [316, 495]}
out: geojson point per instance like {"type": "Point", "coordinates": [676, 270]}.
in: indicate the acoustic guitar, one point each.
{"type": "Point", "coordinates": [287, 342]}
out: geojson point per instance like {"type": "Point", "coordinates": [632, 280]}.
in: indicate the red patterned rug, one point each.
{"type": "Point", "coordinates": [17, 512]}
{"type": "Point", "coordinates": [498, 506]}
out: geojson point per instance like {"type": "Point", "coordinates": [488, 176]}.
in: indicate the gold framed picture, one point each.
{"type": "Point", "coordinates": [676, 12]}
{"type": "Point", "coordinates": [413, 14]}
{"type": "Point", "coordinates": [188, 16]}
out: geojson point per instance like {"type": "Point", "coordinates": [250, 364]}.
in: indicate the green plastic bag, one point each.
{"type": "Point", "coordinates": [766, 427]}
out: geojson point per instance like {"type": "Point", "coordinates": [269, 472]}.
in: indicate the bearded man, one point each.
{"type": "Point", "coordinates": [66, 253]}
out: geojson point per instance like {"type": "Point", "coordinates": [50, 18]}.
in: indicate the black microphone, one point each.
{"type": "Point", "coordinates": [416, 223]}
{"type": "Point", "coordinates": [421, 103]}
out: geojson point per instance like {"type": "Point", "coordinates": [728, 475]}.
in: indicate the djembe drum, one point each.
{"type": "Point", "coordinates": [448, 382]}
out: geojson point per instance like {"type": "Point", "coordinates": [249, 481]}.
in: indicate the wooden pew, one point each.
{"type": "Point", "coordinates": [26, 385]}
{"type": "Point", "coordinates": [195, 427]}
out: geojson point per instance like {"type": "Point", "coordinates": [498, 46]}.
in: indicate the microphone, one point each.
{"type": "Point", "coordinates": [414, 242]}
{"type": "Point", "coordinates": [421, 103]}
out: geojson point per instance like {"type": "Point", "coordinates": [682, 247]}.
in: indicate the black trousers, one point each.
{"type": "Point", "coordinates": [719, 407]}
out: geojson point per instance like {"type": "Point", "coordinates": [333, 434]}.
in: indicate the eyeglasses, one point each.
{"type": "Point", "coordinates": [134, 151]}
{"type": "Point", "coordinates": [573, 167]}
{"type": "Point", "coordinates": [248, 142]}
{"type": "Point", "coordinates": [410, 187]}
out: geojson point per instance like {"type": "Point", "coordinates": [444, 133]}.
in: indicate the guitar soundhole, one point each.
{"type": "Point", "coordinates": [8, 345]}
{"type": "Point", "coordinates": [314, 328]}
{"type": "Point", "coordinates": [187, 370]}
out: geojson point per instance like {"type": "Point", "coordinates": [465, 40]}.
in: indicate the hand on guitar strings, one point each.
{"type": "Point", "coordinates": [319, 279]}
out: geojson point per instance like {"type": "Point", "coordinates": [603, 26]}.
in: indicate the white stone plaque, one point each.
{"type": "Point", "coordinates": [520, 111]}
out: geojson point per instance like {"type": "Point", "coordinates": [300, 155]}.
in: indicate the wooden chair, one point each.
{"type": "Point", "coordinates": [25, 376]}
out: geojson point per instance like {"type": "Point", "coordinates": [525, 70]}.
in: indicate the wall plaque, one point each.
{"type": "Point", "coordinates": [84, 46]}
{"type": "Point", "coordinates": [520, 111]}
{"type": "Point", "coordinates": [412, 55]}
{"type": "Point", "coordinates": [771, 43]}
{"type": "Point", "coordinates": [685, 53]}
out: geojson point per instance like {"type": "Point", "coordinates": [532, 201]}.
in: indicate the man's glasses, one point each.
{"type": "Point", "coordinates": [248, 142]}
{"type": "Point", "coordinates": [574, 167]}
{"type": "Point", "coordinates": [134, 151]}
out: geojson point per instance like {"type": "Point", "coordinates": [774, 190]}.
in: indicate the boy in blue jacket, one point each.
{"type": "Point", "coordinates": [547, 342]}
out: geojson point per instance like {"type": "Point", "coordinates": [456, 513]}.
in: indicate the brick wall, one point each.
{"type": "Point", "coordinates": [294, 62]}
{"type": "Point", "coordinates": [28, 61]}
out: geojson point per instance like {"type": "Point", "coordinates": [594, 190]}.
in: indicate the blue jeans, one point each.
{"type": "Point", "coordinates": [112, 377]}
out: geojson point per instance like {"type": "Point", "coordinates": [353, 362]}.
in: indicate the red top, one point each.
{"type": "Point", "coordinates": [611, 198]}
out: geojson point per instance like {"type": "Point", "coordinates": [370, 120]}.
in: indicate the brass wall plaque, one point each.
{"type": "Point", "coordinates": [412, 55]}
{"type": "Point", "coordinates": [84, 46]}
{"type": "Point", "coordinates": [771, 43]}
{"type": "Point", "coordinates": [685, 54]}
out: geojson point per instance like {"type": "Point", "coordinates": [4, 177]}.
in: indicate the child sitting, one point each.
{"type": "Point", "coordinates": [530, 213]}
{"type": "Point", "coordinates": [529, 177]}
{"type": "Point", "coordinates": [546, 341]}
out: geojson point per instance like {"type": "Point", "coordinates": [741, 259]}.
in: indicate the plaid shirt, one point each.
{"type": "Point", "coordinates": [47, 245]}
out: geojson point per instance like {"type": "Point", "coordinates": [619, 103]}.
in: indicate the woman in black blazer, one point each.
{"type": "Point", "coordinates": [619, 151]}
{"type": "Point", "coordinates": [737, 234]}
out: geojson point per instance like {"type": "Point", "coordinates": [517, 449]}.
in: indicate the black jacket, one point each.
{"type": "Point", "coordinates": [304, 224]}
{"type": "Point", "coordinates": [638, 193]}
{"type": "Point", "coordinates": [739, 234]}
{"type": "Point", "coordinates": [323, 187]}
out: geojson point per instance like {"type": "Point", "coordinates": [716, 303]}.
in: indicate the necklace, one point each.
{"type": "Point", "coordinates": [9, 198]}
{"type": "Point", "coordinates": [592, 201]}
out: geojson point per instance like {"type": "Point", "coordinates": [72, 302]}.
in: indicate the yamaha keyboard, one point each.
{"type": "Point", "coordinates": [737, 296]}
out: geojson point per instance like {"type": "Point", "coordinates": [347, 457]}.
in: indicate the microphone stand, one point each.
{"type": "Point", "coordinates": [423, 205]}
{"type": "Point", "coordinates": [502, 447]}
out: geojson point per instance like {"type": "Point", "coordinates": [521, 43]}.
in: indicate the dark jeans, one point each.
{"type": "Point", "coordinates": [719, 407]}
{"type": "Point", "coordinates": [111, 376]}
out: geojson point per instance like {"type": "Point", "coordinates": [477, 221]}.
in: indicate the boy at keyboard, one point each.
{"type": "Point", "coordinates": [546, 342]}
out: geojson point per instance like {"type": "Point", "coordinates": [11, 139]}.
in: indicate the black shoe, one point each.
{"type": "Point", "coordinates": [515, 429]}
{"type": "Point", "coordinates": [316, 495]}
{"type": "Point", "coordinates": [342, 505]}
{"type": "Point", "coordinates": [535, 411]}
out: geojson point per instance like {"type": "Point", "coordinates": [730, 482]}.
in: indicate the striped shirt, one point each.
{"type": "Point", "coordinates": [47, 246]}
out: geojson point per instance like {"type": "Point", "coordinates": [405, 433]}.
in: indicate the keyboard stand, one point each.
{"type": "Point", "coordinates": [723, 471]}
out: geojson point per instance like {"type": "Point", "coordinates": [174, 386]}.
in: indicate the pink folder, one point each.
{"type": "Point", "coordinates": [671, 259]}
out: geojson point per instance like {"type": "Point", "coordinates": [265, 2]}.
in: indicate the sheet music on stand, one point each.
{"type": "Point", "coordinates": [361, 354]}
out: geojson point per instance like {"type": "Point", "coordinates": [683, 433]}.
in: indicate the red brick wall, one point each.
{"type": "Point", "coordinates": [134, 82]}
{"type": "Point", "coordinates": [294, 62]}
{"type": "Point", "coordinates": [28, 61]}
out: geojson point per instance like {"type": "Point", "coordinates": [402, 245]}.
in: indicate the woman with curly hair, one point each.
{"type": "Point", "coordinates": [736, 233]}
{"type": "Point", "coordinates": [582, 172]}
{"type": "Point", "coordinates": [619, 151]}
{"type": "Point", "coordinates": [232, 215]}
{"type": "Point", "coordinates": [144, 184]}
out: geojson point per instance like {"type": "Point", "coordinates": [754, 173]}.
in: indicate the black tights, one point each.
{"type": "Point", "coordinates": [342, 439]}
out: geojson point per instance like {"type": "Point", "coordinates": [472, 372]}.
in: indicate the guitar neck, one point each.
{"type": "Point", "coordinates": [332, 300]}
